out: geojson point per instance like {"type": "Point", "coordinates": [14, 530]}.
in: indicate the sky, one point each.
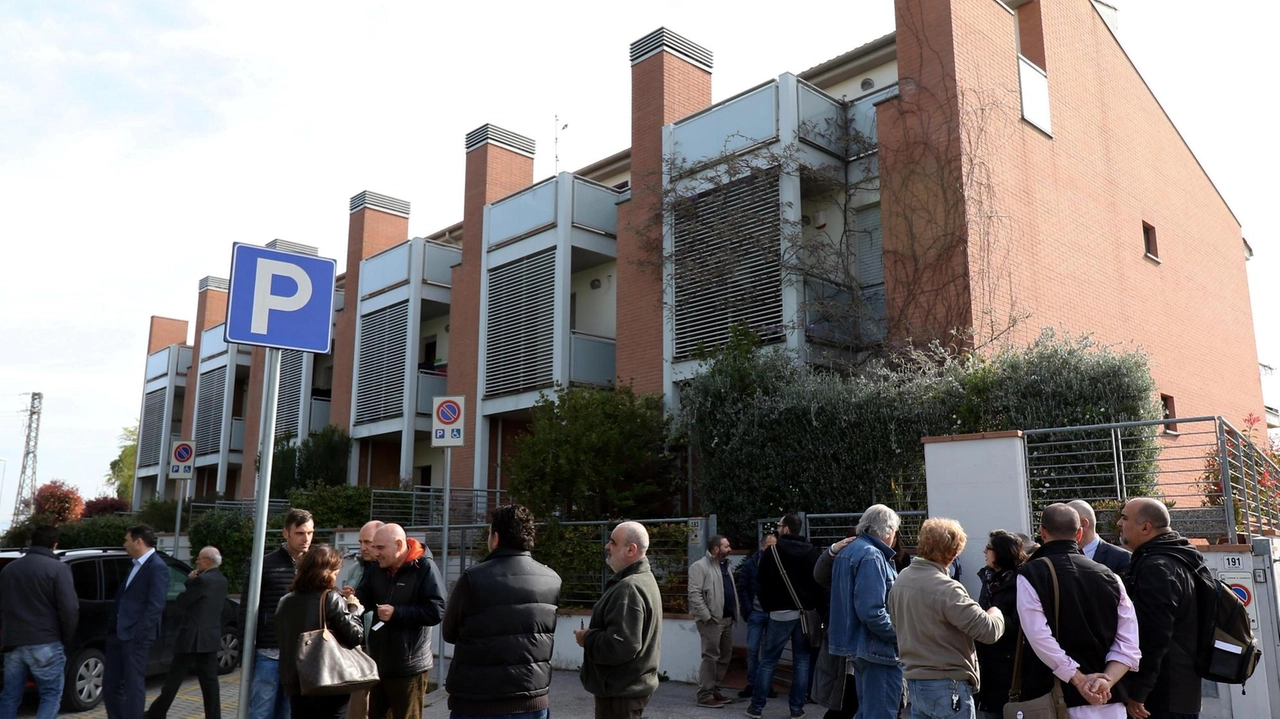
{"type": "Point", "coordinates": [138, 140]}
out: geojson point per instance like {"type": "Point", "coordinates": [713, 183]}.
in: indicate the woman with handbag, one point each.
{"type": "Point", "coordinates": [311, 609]}
{"type": "Point", "coordinates": [1005, 557]}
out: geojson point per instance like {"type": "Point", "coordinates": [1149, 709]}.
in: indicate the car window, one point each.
{"type": "Point", "coordinates": [177, 582]}
{"type": "Point", "coordinates": [84, 575]}
{"type": "Point", "coordinates": [115, 572]}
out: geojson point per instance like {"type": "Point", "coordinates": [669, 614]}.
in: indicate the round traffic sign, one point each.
{"type": "Point", "coordinates": [1243, 592]}
{"type": "Point", "coordinates": [448, 412]}
{"type": "Point", "coordinates": [182, 452]}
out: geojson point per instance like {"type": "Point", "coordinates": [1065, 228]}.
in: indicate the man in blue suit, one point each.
{"type": "Point", "coordinates": [134, 625]}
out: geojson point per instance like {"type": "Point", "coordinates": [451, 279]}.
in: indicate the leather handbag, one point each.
{"type": "Point", "coordinates": [1051, 705]}
{"type": "Point", "coordinates": [326, 667]}
{"type": "Point", "coordinates": [810, 619]}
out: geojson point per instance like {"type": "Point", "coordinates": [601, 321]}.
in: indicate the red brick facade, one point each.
{"type": "Point", "coordinates": [165, 331]}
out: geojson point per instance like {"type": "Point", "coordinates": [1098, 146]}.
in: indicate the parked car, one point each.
{"type": "Point", "coordinates": [98, 574]}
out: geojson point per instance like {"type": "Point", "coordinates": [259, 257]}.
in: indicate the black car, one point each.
{"type": "Point", "coordinates": [98, 574]}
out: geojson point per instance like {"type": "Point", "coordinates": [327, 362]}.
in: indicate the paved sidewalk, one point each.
{"type": "Point", "coordinates": [186, 705]}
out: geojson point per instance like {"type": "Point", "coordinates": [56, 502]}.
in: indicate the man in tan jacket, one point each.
{"type": "Point", "coordinates": [713, 602]}
{"type": "Point", "coordinates": [937, 623]}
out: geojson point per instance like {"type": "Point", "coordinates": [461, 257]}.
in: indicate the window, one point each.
{"type": "Point", "coordinates": [84, 577]}
{"type": "Point", "coordinates": [115, 571]}
{"type": "Point", "coordinates": [1169, 413]}
{"type": "Point", "coordinates": [1033, 64]}
{"type": "Point", "coordinates": [1149, 241]}
{"type": "Point", "coordinates": [177, 582]}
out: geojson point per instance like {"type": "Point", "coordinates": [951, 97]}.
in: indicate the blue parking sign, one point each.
{"type": "Point", "coordinates": [280, 299]}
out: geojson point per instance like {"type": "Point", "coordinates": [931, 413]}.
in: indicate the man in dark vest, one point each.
{"type": "Point", "coordinates": [1091, 639]}
{"type": "Point", "coordinates": [199, 636]}
{"type": "Point", "coordinates": [501, 619]}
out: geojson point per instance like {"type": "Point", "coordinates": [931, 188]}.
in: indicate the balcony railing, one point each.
{"type": "Point", "coordinates": [592, 360]}
{"type": "Point", "coordinates": [438, 262]}
{"type": "Point", "coordinates": [735, 124]}
{"type": "Point", "coordinates": [821, 119]}
{"type": "Point", "coordinates": [430, 385]}
{"type": "Point", "coordinates": [595, 206]}
{"type": "Point", "coordinates": [212, 342]}
{"type": "Point", "coordinates": [523, 212]}
{"type": "Point", "coordinates": [237, 434]}
{"type": "Point", "coordinates": [319, 415]}
{"type": "Point", "coordinates": [385, 269]}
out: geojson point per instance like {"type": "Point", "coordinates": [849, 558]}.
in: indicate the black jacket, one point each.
{"type": "Point", "coordinates": [1112, 557]}
{"type": "Point", "coordinates": [299, 612]}
{"type": "Point", "coordinates": [1163, 592]}
{"type": "Point", "coordinates": [798, 558]}
{"type": "Point", "coordinates": [38, 603]}
{"type": "Point", "coordinates": [402, 646]}
{"type": "Point", "coordinates": [501, 620]}
{"type": "Point", "coordinates": [200, 614]}
{"type": "Point", "coordinates": [748, 583]}
{"type": "Point", "coordinates": [996, 661]}
{"type": "Point", "coordinates": [277, 574]}
{"type": "Point", "coordinates": [1090, 616]}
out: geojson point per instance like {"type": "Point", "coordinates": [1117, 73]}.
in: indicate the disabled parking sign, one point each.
{"type": "Point", "coordinates": [280, 299]}
{"type": "Point", "coordinates": [447, 422]}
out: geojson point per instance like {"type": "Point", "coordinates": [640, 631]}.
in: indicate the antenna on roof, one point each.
{"type": "Point", "coordinates": [559, 127]}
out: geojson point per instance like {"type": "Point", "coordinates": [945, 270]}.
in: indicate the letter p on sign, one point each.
{"type": "Point", "coordinates": [280, 299]}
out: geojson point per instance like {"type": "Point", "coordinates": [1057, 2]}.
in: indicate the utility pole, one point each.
{"type": "Point", "coordinates": [25, 501]}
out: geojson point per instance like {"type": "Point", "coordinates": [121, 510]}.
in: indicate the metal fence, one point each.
{"type": "Point", "coordinates": [244, 506]}
{"type": "Point", "coordinates": [424, 506]}
{"type": "Point", "coordinates": [826, 529]}
{"type": "Point", "coordinates": [576, 551]}
{"type": "Point", "coordinates": [1215, 479]}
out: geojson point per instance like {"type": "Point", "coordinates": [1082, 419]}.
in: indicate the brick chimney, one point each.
{"type": "Point", "coordinates": [165, 331]}
{"type": "Point", "coordinates": [670, 79]}
{"type": "Point", "coordinates": [499, 163]}
{"type": "Point", "coordinates": [211, 311]}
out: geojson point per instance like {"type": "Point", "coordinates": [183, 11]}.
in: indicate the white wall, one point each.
{"type": "Point", "coordinates": [681, 647]}
{"type": "Point", "coordinates": [435, 326]}
{"type": "Point", "coordinates": [851, 89]}
{"type": "Point", "coordinates": [597, 312]}
{"type": "Point", "coordinates": [980, 481]}
{"type": "Point", "coordinates": [425, 455]}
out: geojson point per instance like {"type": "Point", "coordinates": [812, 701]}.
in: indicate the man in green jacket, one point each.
{"type": "Point", "coordinates": [622, 646]}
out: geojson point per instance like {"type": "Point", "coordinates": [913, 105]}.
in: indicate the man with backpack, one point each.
{"type": "Point", "coordinates": [1162, 581]}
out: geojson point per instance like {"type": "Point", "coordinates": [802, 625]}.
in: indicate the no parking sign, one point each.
{"type": "Point", "coordinates": [182, 460]}
{"type": "Point", "coordinates": [447, 422]}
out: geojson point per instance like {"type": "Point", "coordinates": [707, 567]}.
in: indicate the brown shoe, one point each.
{"type": "Point", "coordinates": [710, 703]}
{"type": "Point", "coordinates": [722, 698]}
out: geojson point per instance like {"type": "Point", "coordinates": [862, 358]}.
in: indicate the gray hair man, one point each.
{"type": "Point", "coordinates": [1094, 547]}
{"type": "Point", "coordinates": [622, 645]}
{"type": "Point", "coordinates": [199, 636]}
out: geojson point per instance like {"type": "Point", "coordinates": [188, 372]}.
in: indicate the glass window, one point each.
{"type": "Point", "coordinates": [115, 572]}
{"type": "Point", "coordinates": [177, 582]}
{"type": "Point", "coordinates": [84, 575]}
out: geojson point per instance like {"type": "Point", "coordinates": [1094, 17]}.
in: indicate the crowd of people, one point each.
{"type": "Point", "coordinates": [1112, 629]}
{"type": "Point", "coordinates": [874, 633]}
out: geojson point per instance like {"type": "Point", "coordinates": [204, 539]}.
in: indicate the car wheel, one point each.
{"type": "Point", "coordinates": [84, 681]}
{"type": "Point", "coordinates": [228, 652]}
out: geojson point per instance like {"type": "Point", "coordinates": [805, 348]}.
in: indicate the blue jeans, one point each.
{"type": "Point", "coordinates": [540, 714]}
{"type": "Point", "coordinates": [775, 638]}
{"type": "Point", "coordinates": [268, 700]}
{"type": "Point", "coordinates": [47, 664]}
{"type": "Point", "coordinates": [757, 622]}
{"type": "Point", "coordinates": [879, 689]}
{"type": "Point", "coordinates": [940, 699]}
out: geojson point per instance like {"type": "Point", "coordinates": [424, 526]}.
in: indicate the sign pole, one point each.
{"type": "Point", "coordinates": [178, 491]}
{"type": "Point", "coordinates": [266, 443]}
{"type": "Point", "coordinates": [444, 550]}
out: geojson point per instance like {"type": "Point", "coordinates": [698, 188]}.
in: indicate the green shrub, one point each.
{"type": "Point", "coordinates": [105, 530]}
{"type": "Point", "coordinates": [232, 533]}
{"type": "Point", "coordinates": [334, 506]}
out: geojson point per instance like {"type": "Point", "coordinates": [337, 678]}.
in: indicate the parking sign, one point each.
{"type": "Point", "coordinates": [280, 299]}
{"type": "Point", "coordinates": [447, 422]}
{"type": "Point", "coordinates": [182, 460]}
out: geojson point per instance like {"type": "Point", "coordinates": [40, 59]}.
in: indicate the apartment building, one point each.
{"type": "Point", "coordinates": [1003, 168]}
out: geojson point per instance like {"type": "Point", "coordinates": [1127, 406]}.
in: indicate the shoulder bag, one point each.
{"type": "Point", "coordinates": [1051, 705]}
{"type": "Point", "coordinates": [326, 667]}
{"type": "Point", "coordinates": [810, 619]}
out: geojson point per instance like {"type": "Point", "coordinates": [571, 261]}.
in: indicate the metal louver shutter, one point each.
{"type": "Point", "coordinates": [869, 246]}
{"type": "Point", "coordinates": [151, 434]}
{"type": "Point", "coordinates": [380, 368]}
{"type": "Point", "coordinates": [209, 392]}
{"type": "Point", "coordinates": [727, 264]}
{"type": "Point", "coordinates": [289, 400]}
{"type": "Point", "coordinates": [521, 321]}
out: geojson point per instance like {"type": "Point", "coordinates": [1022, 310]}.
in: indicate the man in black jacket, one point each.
{"type": "Point", "coordinates": [1159, 579]}
{"type": "Point", "coordinates": [268, 700]}
{"type": "Point", "coordinates": [406, 597]}
{"type": "Point", "coordinates": [39, 611]}
{"type": "Point", "coordinates": [501, 619]}
{"type": "Point", "coordinates": [199, 636]}
{"type": "Point", "coordinates": [796, 556]}
{"type": "Point", "coordinates": [748, 584]}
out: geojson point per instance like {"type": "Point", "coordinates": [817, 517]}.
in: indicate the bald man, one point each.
{"type": "Point", "coordinates": [406, 596]}
{"type": "Point", "coordinates": [1094, 547]}
{"type": "Point", "coordinates": [622, 645]}
{"type": "Point", "coordinates": [354, 572]}
{"type": "Point", "coordinates": [1161, 581]}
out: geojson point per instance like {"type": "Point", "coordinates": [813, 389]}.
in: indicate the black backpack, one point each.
{"type": "Point", "coordinates": [1225, 649]}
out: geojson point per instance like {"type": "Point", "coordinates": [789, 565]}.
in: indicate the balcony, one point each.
{"type": "Point", "coordinates": [438, 263]}
{"type": "Point", "coordinates": [1035, 94]}
{"type": "Point", "coordinates": [319, 415]}
{"type": "Point", "coordinates": [592, 359]}
{"type": "Point", "coordinates": [430, 386]}
{"type": "Point", "coordinates": [212, 342]}
{"type": "Point", "coordinates": [158, 361]}
{"type": "Point", "coordinates": [385, 269]}
{"type": "Point", "coordinates": [592, 207]}
{"type": "Point", "coordinates": [734, 125]}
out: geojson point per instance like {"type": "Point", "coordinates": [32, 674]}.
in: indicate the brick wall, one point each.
{"type": "Point", "coordinates": [664, 88]}
{"type": "Point", "coordinates": [165, 331]}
